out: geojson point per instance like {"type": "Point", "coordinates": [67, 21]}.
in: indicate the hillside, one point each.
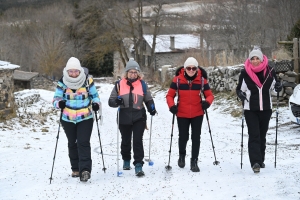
{"type": "Point", "coordinates": [6, 4]}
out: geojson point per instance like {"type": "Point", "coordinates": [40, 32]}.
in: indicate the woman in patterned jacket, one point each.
{"type": "Point", "coordinates": [76, 96]}
{"type": "Point", "coordinates": [189, 82]}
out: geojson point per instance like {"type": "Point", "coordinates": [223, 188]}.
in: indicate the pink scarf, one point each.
{"type": "Point", "coordinates": [251, 70]}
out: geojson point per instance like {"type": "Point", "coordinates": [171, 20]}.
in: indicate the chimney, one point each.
{"type": "Point", "coordinates": [172, 42]}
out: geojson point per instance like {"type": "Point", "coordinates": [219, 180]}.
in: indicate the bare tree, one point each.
{"type": "Point", "coordinates": [50, 50]}
{"type": "Point", "coordinates": [131, 23]}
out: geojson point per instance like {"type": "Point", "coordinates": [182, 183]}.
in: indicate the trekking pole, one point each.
{"type": "Point", "coordinates": [202, 90]}
{"type": "Point", "coordinates": [242, 139]}
{"type": "Point", "coordinates": [242, 143]}
{"type": "Point", "coordinates": [151, 163]}
{"type": "Point", "coordinates": [168, 167]}
{"type": "Point", "coordinates": [100, 142]}
{"type": "Point", "coordinates": [276, 128]}
{"type": "Point", "coordinates": [215, 162]}
{"type": "Point", "coordinates": [119, 173]}
{"type": "Point", "coordinates": [56, 144]}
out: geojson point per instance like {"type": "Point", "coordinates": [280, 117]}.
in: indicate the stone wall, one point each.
{"type": "Point", "coordinates": [225, 79]}
{"type": "Point", "coordinates": [173, 59]}
{"type": "Point", "coordinates": [7, 105]}
{"type": "Point", "coordinates": [42, 82]}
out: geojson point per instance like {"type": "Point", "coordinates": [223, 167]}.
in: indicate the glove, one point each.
{"type": "Point", "coordinates": [95, 107]}
{"type": "Point", "coordinates": [152, 110]}
{"type": "Point", "coordinates": [278, 86]}
{"type": "Point", "coordinates": [174, 109]}
{"type": "Point", "coordinates": [62, 104]}
{"type": "Point", "coordinates": [205, 105]}
{"type": "Point", "coordinates": [119, 101]}
{"type": "Point", "coordinates": [242, 95]}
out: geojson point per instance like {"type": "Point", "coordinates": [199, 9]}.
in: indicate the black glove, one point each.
{"type": "Point", "coordinates": [278, 86]}
{"type": "Point", "coordinates": [62, 104]}
{"type": "Point", "coordinates": [152, 110]}
{"type": "Point", "coordinates": [242, 95]}
{"type": "Point", "coordinates": [119, 101]}
{"type": "Point", "coordinates": [205, 105]}
{"type": "Point", "coordinates": [174, 109]}
{"type": "Point", "coordinates": [95, 107]}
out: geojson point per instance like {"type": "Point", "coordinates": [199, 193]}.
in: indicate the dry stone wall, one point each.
{"type": "Point", "coordinates": [42, 82]}
{"type": "Point", "coordinates": [7, 106]}
{"type": "Point", "coordinates": [225, 79]}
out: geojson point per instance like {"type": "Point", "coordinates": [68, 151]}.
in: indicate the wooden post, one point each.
{"type": "Point", "coordinates": [296, 58]}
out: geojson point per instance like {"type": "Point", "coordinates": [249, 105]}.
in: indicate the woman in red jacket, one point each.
{"type": "Point", "coordinates": [188, 83]}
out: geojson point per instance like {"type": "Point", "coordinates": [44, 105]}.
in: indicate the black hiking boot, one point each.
{"type": "Point", "coordinates": [181, 160]}
{"type": "Point", "coordinates": [256, 168]}
{"type": "Point", "coordinates": [85, 175]}
{"type": "Point", "coordinates": [194, 165]}
{"type": "Point", "coordinates": [263, 165]}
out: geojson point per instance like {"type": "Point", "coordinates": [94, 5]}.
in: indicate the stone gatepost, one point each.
{"type": "Point", "coordinates": [7, 99]}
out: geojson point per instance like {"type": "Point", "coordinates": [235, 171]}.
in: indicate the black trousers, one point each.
{"type": "Point", "coordinates": [79, 144]}
{"type": "Point", "coordinates": [258, 125]}
{"type": "Point", "coordinates": [183, 127]}
{"type": "Point", "coordinates": [135, 131]}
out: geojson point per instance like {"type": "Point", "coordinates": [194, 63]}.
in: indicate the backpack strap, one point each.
{"type": "Point", "coordinates": [177, 92]}
{"type": "Point", "coordinates": [117, 86]}
{"type": "Point", "coordinates": [202, 87]}
{"type": "Point", "coordinates": [87, 83]}
{"type": "Point", "coordinates": [144, 87]}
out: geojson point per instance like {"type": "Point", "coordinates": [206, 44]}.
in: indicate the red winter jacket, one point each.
{"type": "Point", "coordinates": [189, 105]}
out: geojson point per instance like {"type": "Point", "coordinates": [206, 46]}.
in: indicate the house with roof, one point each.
{"type": "Point", "coordinates": [23, 80]}
{"type": "Point", "coordinates": [170, 50]}
{"type": "Point", "coordinates": [31, 80]}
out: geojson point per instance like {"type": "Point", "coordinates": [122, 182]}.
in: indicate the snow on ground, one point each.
{"type": "Point", "coordinates": [27, 146]}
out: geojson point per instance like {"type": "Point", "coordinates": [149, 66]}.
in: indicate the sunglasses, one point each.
{"type": "Point", "coordinates": [191, 68]}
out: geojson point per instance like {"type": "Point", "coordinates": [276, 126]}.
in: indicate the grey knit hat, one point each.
{"type": "Point", "coordinates": [131, 64]}
{"type": "Point", "coordinates": [256, 52]}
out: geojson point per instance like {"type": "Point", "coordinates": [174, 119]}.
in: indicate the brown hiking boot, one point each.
{"type": "Point", "coordinates": [75, 174]}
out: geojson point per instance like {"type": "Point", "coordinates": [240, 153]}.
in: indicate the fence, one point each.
{"type": "Point", "coordinates": [296, 54]}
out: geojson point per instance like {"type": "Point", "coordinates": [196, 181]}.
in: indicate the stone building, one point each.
{"type": "Point", "coordinates": [23, 80]}
{"type": "Point", "coordinates": [7, 99]}
{"type": "Point", "coordinates": [170, 50]}
{"type": "Point", "coordinates": [31, 80]}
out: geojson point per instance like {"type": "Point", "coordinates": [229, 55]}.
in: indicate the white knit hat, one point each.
{"type": "Point", "coordinates": [190, 61]}
{"type": "Point", "coordinates": [73, 63]}
{"type": "Point", "coordinates": [256, 52]}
